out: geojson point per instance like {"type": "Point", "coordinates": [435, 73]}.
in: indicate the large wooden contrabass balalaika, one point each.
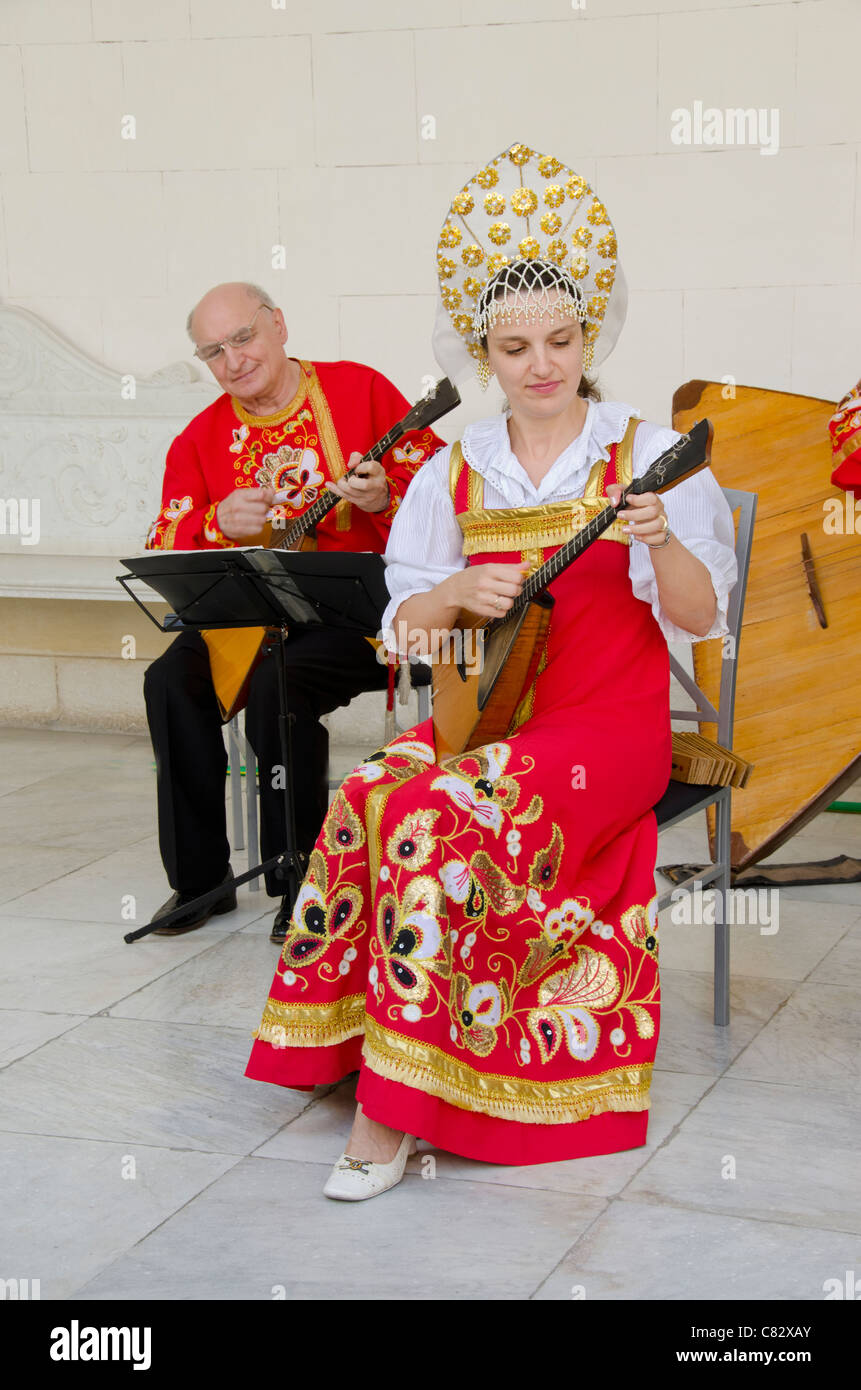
{"type": "Point", "coordinates": [798, 690]}
{"type": "Point", "coordinates": [477, 704]}
{"type": "Point", "coordinates": [234, 652]}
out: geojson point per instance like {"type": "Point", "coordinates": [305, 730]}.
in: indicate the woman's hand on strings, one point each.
{"type": "Point", "coordinates": [244, 511]}
{"type": "Point", "coordinates": [488, 590]}
{"type": "Point", "coordinates": [365, 484]}
{"type": "Point", "coordinates": [644, 515]}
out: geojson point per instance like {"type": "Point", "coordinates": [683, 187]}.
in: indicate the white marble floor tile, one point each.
{"type": "Point", "coordinates": [27, 868]}
{"type": "Point", "coordinates": [24, 1030]}
{"type": "Point", "coordinates": [266, 1224]}
{"type": "Point", "coordinates": [662, 1252]}
{"type": "Point", "coordinates": [96, 1202]}
{"type": "Point", "coordinates": [227, 985]}
{"type": "Point", "coordinates": [785, 940]}
{"type": "Point", "coordinates": [845, 893]}
{"type": "Point", "coordinates": [690, 1041]}
{"type": "Point", "coordinates": [318, 1135]}
{"type": "Point", "coordinates": [842, 965]}
{"type": "Point", "coordinates": [82, 967]}
{"type": "Point", "coordinates": [47, 751]}
{"type": "Point", "coordinates": [171, 1085]}
{"type": "Point", "coordinates": [105, 809]}
{"type": "Point", "coordinates": [128, 880]}
{"type": "Point", "coordinates": [815, 1041]}
{"type": "Point", "coordinates": [775, 1152]}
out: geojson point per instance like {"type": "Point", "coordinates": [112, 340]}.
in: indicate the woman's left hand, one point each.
{"type": "Point", "coordinates": [367, 488]}
{"type": "Point", "coordinates": [644, 515]}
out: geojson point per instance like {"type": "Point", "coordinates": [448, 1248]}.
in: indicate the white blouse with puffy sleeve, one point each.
{"type": "Point", "coordinates": [425, 543]}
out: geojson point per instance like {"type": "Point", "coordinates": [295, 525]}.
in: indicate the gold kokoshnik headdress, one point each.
{"type": "Point", "coordinates": [528, 223]}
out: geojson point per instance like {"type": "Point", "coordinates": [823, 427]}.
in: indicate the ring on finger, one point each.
{"type": "Point", "coordinates": [664, 522]}
{"type": "Point", "coordinates": [499, 601]}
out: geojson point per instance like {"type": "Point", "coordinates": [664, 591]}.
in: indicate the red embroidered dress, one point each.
{"type": "Point", "coordinates": [478, 937]}
{"type": "Point", "coordinates": [338, 407]}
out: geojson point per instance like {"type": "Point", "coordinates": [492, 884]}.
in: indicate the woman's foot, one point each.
{"type": "Point", "coordinates": [372, 1141]}
{"type": "Point", "coordinates": [373, 1161]}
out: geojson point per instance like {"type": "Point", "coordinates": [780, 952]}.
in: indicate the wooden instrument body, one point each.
{"type": "Point", "coordinates": [234, 652]}
{"type": "Point", "coordinates": [479, 707]}
{"type": "Point", "coordinates": [798, 691]}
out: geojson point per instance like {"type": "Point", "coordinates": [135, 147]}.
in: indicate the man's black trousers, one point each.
{"type": "Point", "coordinates": [325, 669]}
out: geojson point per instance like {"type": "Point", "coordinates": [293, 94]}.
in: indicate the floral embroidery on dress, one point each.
{"type": "Point", "coordinates": [413, 939]}
{"type": "Point", "coordinates": [319, 917]}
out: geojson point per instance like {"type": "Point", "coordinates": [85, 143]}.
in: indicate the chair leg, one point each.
{"type": "Point", "coordinates": [251, 811]}
{"type": "Point", "coordinates": [235, 782]}
{"type": "Point", "coordinates": [722, 935]}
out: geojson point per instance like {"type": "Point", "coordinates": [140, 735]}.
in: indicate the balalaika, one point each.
{"type": "Point", "coordinates": [477, 706]}
{"type": "Point", "coordinates": [234, 652]}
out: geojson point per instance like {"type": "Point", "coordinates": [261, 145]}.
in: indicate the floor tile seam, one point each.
{"type": "Point", "coordinates": [198, 955]}
{"type": "Point", "coordinates": [682, 1206]}
{"type": "Point", "coordinates": [129, 1251]}
{"type": "Point", "coordinates": [103, 1139]}
{"type": "Point", "coordinates": [174, 1022]}
{"type": "Point", "coordinates": [315, 1100]}
{"type": "Point", "coordinates": [755, 1037]}
{"type": "Point", "coordinates": [670, 1135]}
{"type": "Point", "coordinates": [24, 786]}
{"type": "Point", "coordinates": [833, 1090]}
{"type": "Point", "coordinates": [125, 1143]}
{"type": "Point", "coordinates": [45, 1013]}
{"type": "Point", "coordinates": [68, 872]}
{"type": "Point", "coordinates": [599, 1216]}
{"type": "Point", "coordinates": [73, 1027]}
{"type": "Point", "coordinates": [839, 942]}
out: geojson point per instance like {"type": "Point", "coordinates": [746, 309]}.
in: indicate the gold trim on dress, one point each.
{"type": "Point", "coordinates": [430, 1070]}
{"type": "Point", "coordinates": [311, 1025]}
{"type": "Point", "coordinates": [529, 528]}
{"type": "Point", "coordinates": [455, 464]}
{"type": "Point", "coordinates": [169, 535]}
{"type": "Point", "coordinates": [330, 441]}
{"type": "Point", "coordinates": [625, 454]}
{"type": "Point", "coordinates": [475, 491]}
{"type": "Point", "coordinates": [594, 489]}
{"type": "Point", "coordinates": [305, 369]}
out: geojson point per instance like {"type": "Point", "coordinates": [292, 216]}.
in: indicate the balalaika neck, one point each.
{"type": "Point", "coordinates": [324, 504]}
{"type": "Point", "coordinates": [563, 557]}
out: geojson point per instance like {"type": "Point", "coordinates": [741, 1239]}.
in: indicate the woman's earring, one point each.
{"type": "Point", "coordinates": [484, 373]}
{"type": "Point", "coordinates": [588, 357]}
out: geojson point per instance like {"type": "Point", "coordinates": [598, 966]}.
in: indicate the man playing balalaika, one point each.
{"type": "Point", "coordinates": [261, 455]}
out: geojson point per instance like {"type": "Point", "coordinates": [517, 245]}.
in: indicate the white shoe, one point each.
{"type": "Point", "coordinates": [354, 1179]}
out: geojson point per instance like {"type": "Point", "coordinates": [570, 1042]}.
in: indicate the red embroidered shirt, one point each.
{"type": "Point", "coordinates": [339, 407]}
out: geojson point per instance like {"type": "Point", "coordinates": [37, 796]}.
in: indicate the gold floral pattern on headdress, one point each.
{"type": "Point", "coordinates": [557, 218]}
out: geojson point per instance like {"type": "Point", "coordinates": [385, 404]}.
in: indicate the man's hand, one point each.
{"type": "Point", "coordinates": [243, 512]}
{"type": "Point", "coordinates": [367, 488]}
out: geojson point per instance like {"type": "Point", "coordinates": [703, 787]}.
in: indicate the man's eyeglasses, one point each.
{"type": "Point", "coordinates": [209, 351]}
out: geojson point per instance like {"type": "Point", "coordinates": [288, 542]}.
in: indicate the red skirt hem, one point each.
{"type": "Point", "coordinates": [468, 1133]}
{"type": "Point", "coordinates": [303, 1068]}
{"type": "Point", "coordinates": [472, 1134]}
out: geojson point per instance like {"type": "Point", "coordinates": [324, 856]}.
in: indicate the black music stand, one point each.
{"type": "Point", "coordinates": [258, 587]}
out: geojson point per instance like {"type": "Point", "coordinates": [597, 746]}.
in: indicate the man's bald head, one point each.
{"type": "Point", "coordinates": [255, 370]}
{"type": "Point", "coordinates": [236, 295]}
